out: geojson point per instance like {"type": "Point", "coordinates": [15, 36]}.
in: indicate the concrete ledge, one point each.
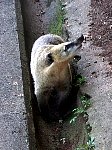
{"type": "Point", "coordinates": [13, 123]}
{"type": "Point", "coordinates": [27, 85]}
{"type": "Point", "coordinates": [94, 67]}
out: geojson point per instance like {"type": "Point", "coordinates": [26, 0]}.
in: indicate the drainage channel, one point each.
{"type": "Point", "coordinates": [37, 17]}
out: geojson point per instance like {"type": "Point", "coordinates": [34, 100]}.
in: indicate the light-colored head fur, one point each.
{"type": "Point", "coordinates": [50, 62]}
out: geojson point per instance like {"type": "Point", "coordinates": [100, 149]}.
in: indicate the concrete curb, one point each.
{"type": "Point", "coordinates": [14, 131]}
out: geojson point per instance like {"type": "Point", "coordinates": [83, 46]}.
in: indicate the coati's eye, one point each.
{"type": "Point", "coordinates": [50, 59]}
{"type": "Point", "coordinates": [70, 45]}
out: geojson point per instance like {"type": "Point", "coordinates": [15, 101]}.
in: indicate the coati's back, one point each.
{"type": "Point", "coordinates": [48, 39]}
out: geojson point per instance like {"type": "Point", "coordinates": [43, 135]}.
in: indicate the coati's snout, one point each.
{"type": "Point", "coordinates": [77, 43]}
{"type": "Point", "coordinates": [66, 51]}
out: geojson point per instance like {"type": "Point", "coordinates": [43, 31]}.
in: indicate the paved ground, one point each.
{"type": "Point", "coordinates": [95, 23]}
{"type": "Point", "coordinates": [13, 124]}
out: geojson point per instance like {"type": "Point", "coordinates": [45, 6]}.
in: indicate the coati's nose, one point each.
{"type": "Point", "coordinates": [79, 40]}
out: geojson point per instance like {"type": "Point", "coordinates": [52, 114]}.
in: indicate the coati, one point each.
{"type": "Point", "coordinates": [51, 60]}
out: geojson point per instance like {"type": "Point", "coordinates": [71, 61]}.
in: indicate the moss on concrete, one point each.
{"type": "Point", "coordinates": [57, 25]}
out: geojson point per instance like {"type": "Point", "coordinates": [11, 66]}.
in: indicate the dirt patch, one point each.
{"type": "Point", "coordinates": [95, 65]}
{"type": "Point", "coordinates": [102, 27]}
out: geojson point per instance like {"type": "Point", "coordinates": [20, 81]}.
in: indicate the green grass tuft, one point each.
{"type": "Point", "coordinates": [80, 80]}
{"type": "Point", "coordinates": [85, 104]}
{"type": "Point", "coordinates": [57, 26]}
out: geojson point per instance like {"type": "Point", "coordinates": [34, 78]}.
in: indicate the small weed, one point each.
{"type": "Point", "coordinates": [76, 113]}
{"type": "Point", "coordinates": [88, 128]}
{"type": "Point", "coordinates": [80, 80]}
{"type": "Point", "coordinates": [90, 145]}
{"type": "Point", "coordinates": [85, 104]}
{"type": "Point", "coordinates": [85, 100]}
{"type": "Point", "coordinates": [91, 142]}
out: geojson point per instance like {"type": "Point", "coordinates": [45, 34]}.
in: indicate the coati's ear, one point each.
{"type": "Point", "coordinates": [49, 59]}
